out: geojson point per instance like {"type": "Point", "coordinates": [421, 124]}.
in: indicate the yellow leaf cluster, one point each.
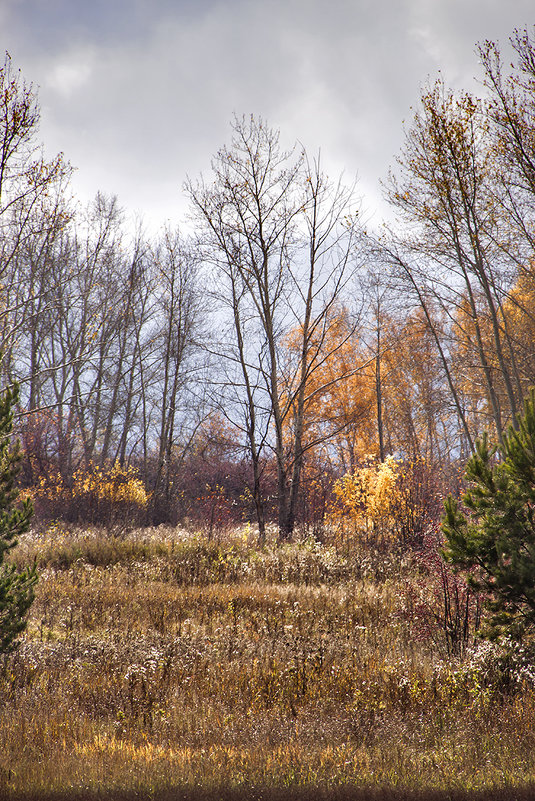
{"type": "Point", "coordinates": [368, 497]}
{"type": "Point", "coordinates": [339, 397]}
{"type": "Point", "coordinates": [116, 484]}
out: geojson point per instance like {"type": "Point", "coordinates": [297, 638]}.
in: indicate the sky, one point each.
{"type": "Point", "coordinates": [139, 94]}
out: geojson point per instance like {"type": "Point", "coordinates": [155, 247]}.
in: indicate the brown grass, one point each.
{"type": "Point", "coordinates": [159, 661]}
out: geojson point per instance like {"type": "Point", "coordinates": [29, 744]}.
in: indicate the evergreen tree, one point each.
{"type": "Point", "coordinates": [495, 539]}
{"type": "Point", "coordinates": [16, 587]}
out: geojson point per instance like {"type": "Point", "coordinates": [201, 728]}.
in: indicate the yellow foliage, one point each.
{"type": "Point", "coordinates": [368, 498]}
{"type": "Point", "coordinates": [114, 486]}
{"type": "Point", "coordinates": [339, 399]}
{"type": "Point", "coordinates": [117, 485]}
{"type": "Point", "coordinates": [415, 403]}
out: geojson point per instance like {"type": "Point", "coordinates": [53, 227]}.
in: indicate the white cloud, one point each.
{"type": "Point", "coordinates": [71, 72]}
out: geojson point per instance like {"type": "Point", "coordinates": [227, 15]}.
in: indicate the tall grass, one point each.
{"type": "Point", "coordinates": [161, 660]}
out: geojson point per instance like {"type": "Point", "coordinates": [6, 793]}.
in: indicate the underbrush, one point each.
{"type": "Point", "coordinates": [160, 659]}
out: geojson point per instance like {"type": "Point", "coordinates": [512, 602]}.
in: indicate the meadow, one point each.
{"type": "Point", "coordinates": [162, 664]}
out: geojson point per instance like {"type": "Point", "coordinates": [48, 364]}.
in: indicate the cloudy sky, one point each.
{"type": "Point", "coordinates": [140, 93]}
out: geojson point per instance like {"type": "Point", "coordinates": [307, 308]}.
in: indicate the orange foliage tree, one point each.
{"type": "Point", "coordinates": [517, 323]}
{"type": "Point", "coordinates": [339, 419]}
{"type": "Point", "coordinates": [417, 407]}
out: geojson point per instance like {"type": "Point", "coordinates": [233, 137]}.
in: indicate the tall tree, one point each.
{"type": "Point", "coordinates": [512, 117]}
{"type": "Point", "coordinates": [281, 239]}
{"type": "Point", "coordinates": [449, 193]}
{"type": "Point", "coordinates": [417, 408]}
{"type": "Point", "coordinates": [179, 319]}
{"type": "Point", "coordinates": [27, 180]}
{"type": "Point", "coordinates": [339, 415]}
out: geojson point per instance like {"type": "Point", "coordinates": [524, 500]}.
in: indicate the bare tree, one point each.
{"type": "Point", "coordinates": [32, 206]}
{"type": "Point", "coordinates": [450, 198]}
{"type": "Point", "coordinates": [179, 310]}
{"type": "Point", "coordinates": [281, 240]}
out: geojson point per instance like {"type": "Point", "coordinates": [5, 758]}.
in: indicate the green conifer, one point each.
{"type": "Point", "coordinates": [16, 586]}
{"type": "Point", "coordinates": [495, 539]}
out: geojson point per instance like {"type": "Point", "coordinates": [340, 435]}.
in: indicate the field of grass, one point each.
{"type": "Point", "coordinates": [162, 665]}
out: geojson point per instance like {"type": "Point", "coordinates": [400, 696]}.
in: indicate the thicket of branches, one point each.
{"type": "Point", "coordinates": [237, 374]}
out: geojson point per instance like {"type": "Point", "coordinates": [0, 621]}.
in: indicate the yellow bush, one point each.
{"type": "Point", "coordinates": [95, 494]}
{"type": "Point", "coordinates": [368, 498]}
{"type": "Point", "coordinates": [117, 485]}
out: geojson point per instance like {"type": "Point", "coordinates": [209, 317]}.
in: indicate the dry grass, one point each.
{"type": "Point", "coordinates": [158, 661]}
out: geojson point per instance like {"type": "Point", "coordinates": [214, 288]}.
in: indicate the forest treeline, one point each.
{"type": "Point", "coordinates": [237, 373]}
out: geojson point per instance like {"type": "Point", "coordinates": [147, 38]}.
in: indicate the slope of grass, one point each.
{"type": "Point", "coordinates": [159, 661]}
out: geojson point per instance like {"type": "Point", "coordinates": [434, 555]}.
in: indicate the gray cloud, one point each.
{"type": "Point", "coordinates": [139, 93]}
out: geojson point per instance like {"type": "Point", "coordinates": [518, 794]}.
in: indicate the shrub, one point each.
{"type": "Point", "coordinates": [367, 499]}
{"type": "Point", "coordinates": [112, 496]}
{"type": "Point", "coordinates": [439, 606]}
